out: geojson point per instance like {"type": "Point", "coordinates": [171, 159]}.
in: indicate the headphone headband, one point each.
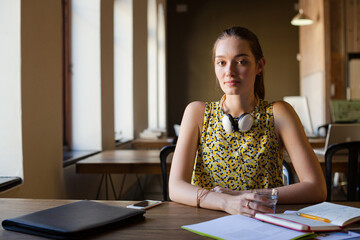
{"type": "Point", "coordinates": [244, 123]}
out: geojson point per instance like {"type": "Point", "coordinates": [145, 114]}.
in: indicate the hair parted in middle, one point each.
{"type": "Point", "coordinates": [246, 34]}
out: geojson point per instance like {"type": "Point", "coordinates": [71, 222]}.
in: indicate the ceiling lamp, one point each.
{"type": "Point", "coordinates": [301, 19]}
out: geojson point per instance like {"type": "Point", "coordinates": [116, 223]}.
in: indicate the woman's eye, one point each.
{"type": "Point", "coordinates": [242, 62]}
{"type": "Point", "coordinates": [221, 63]}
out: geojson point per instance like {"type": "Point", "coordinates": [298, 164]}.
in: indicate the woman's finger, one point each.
{"type": "Point", "coordinates": [260, 207]}
{"type": "Point", "coordinates": [226, 191]}
{"type": "Point", "coordinates": [254, 203]}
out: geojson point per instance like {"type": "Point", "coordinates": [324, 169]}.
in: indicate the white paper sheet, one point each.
{"type": "Point", "coordinates": [240, 227]}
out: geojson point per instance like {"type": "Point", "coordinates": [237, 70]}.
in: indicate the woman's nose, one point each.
{"type": "Point", "coordinates": [229, 69]}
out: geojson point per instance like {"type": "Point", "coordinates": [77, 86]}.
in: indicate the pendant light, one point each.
{"type": "Point", "coordinates": [301, 19]}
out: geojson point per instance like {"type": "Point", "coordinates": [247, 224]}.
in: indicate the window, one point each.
{"type": "Point", "coordinates": [123, 69]}
{"type": "Point", "coordinates": [10, 89]}
{"type": "Point", "coordinates": [156, 66]}
{"type": "Point", "coordinates": [86, 112]}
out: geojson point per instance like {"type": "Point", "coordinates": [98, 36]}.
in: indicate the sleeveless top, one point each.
{"type": "Point", "coordinates": [239, 160]}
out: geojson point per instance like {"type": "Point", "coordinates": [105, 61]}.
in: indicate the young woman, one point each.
{"type": "Point", "coordinates": [229, 148]}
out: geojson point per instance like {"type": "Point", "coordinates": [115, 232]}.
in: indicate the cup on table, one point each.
{"type": "Point", "coordinates": [271, 195]}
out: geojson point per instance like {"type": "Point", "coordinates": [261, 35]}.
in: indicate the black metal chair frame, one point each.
{"type": "Point", "coordinates": [165, 151]}
{"type": "Point", "coordinates": [352, 174]}
{"type": "Point", "coordinates": [288, 173]}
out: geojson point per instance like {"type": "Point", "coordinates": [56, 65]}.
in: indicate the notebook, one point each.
{"type": "Point", "coordinates": [233, 227]}
{"type": "Point", "coordinates": [73, 221]}
{"type": "Point", "coordinates": [337, 216]}
{"type": "Point", "coordinates": [338, 133]}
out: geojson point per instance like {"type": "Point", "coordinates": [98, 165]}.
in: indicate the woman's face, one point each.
{"type": "Point", "coordinates": [235, 66]}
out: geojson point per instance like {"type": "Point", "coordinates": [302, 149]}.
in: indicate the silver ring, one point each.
{"type": "Point", "coordinates": [248, 204]}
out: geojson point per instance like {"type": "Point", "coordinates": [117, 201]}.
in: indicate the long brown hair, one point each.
{"type": "Point", "coordinates": [244, 33]}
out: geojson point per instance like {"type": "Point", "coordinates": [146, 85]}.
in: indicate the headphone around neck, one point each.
{"type": "Point", "coordinates": [244, 123]}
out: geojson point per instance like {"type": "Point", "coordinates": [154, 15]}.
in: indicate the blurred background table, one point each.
{"type": "Point", "coordinates": [151, 143]}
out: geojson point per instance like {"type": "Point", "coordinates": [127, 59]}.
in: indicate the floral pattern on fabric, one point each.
{"type": "Point", "coordinates": [238, 161]}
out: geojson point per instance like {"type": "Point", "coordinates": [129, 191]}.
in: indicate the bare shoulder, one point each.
{"type": "Point", "coordinates": [196, 108]}
{"type": "Point", "coordinates": [283, 110]}
{"type": "Point", "coordinates": [193, 118]}
{"type": "Point", "coordinates": [286, 119]}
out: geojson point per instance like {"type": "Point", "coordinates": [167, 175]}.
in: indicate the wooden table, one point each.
{"type": "Point", "coordinates": [161, 222]}
{"type": "Point", "coordinates": [120, 162]}
{"type": "Point", "coordinates": [151, 143]}
{"type": "Point", "coordinates": [317, 142]}
{"type": "Point", "coordinates": [339, 163]}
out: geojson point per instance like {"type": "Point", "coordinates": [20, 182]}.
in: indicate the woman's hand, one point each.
{"type": "Point", "coordinates": [229, 191]}
{"type": "Point", "coordinates": [246, 203]}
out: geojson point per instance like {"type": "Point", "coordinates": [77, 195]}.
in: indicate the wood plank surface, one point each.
{"type": "Point", "coordinates": [161, 222]}
{"type": "Point", "coordinates": [151, 143]}
{"type": "Point", "coordinates": [122, 162]}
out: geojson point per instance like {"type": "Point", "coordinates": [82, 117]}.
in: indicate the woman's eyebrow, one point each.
{"type": "Point", "coordinates": [242, 55]}
{"type": "Point", "coordinates": [238, 55]}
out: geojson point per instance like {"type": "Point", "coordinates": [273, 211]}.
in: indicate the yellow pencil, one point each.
{"type": "Point", "coordinates": [314, 217]}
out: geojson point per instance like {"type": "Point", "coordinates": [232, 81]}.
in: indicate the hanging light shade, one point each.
{"type": "Point", "coordinates": [301, 19]}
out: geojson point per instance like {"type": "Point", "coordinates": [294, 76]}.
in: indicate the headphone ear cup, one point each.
{"type": "Point", "coordinates": [227, 124]}
{"type": "Point", "coordinates": [245, 122]}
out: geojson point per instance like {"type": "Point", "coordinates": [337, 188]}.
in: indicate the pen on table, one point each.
{"type": "Point", "coordinates": [314, 217]}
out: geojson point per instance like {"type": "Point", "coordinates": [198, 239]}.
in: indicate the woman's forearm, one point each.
{"type": "Point", "coordinates": [188, 194]}
{"type": "Point", "coordinates": [302, 192]}
{"type": "Point", "coordinates": [246, 202]}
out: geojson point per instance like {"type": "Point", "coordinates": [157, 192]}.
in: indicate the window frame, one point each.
{"type": "Point", "coordinates": [67, 127]}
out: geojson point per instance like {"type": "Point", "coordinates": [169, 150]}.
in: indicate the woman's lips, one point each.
{"type": "Point", "coordinates": [231, 83]}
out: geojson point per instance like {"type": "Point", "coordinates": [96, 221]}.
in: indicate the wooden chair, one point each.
{"type": "Point", "coordinates": [353, 184]}
{"type": "Point", "coordinates": [288, 176]}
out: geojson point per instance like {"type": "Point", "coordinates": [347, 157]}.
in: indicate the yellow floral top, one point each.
{"type": "Point", "coordinates": [238, 161]}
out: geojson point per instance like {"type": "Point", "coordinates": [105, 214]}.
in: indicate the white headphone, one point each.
{"type": "Point", "coordinates": [244, 123]}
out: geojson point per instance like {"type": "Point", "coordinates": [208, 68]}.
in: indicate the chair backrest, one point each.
{"type": "Point", "coordinates": [164, 153]}
{"type": "Point", "coordinates": [288, 176]}
{"type": "Point", "coordinates": [353, 149]}
{"type": "Point", "coordinates": [177, 129]}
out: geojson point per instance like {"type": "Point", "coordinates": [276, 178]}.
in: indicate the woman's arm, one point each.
{"type": "Point", "coordinates": [312, 187]}
{"type": "Point", "coordinates": [183, 160]}
{"type": "Point", "coordinates": [182, 165]}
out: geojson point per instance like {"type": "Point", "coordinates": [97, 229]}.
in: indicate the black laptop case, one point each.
{"type": "Point", "coordinates": [74, 221]}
